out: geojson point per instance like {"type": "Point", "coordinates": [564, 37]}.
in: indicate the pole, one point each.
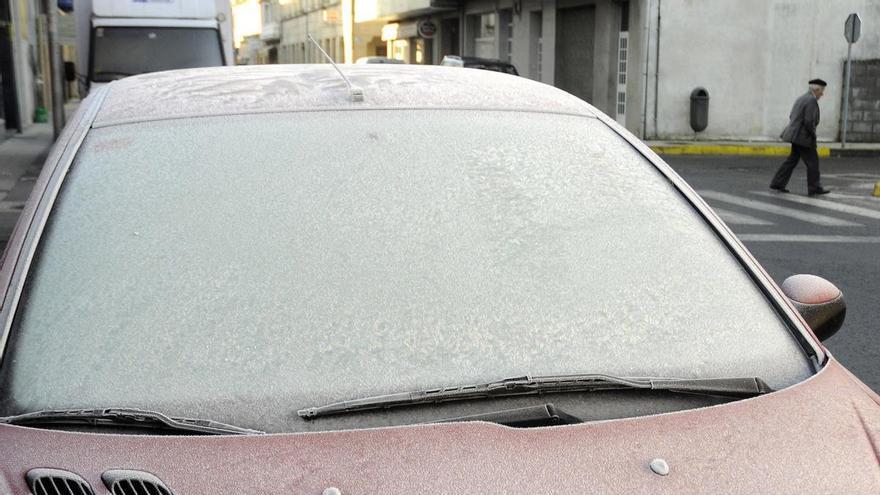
{"type": "Point", "coordinates": [657, 70]}
{"type": "Point", "coordinates": [348, 31]}
{"type": "Point", "coordinates": [846, 95]}
{"type": "Point", "coordinates": [55, 71]}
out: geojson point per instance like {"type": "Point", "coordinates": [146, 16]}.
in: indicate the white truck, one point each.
{"type": "Point", "coordinates": [119, 38]}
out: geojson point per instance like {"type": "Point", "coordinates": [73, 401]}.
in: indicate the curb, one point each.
{"type": "Point", "coordinates": [855, 152]}
{"type": "Point", "coordinates": [740, 150]}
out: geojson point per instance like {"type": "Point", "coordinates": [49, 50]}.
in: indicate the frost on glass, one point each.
{"type": "Point", "coordinates": [291, 260]}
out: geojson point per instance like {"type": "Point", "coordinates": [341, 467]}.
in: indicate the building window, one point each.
{"type": "Point", "coordinates": [484, 39]}
{"type": "Point", "coordinates": [420, 51]}
{"type": "Point", "coordinates": [622, 50]}
{"type": "Point", "coordinates": [400, 50]}
{"type": "Point", "coordinates": [536, 42]}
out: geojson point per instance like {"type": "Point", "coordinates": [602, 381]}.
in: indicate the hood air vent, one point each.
{"type": "Point", "coordinates": [127, 482]}
{"type": "Point", "coordinates": [44, 481]}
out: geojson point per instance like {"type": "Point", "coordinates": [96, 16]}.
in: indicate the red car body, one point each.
{"type": "Point", "coordinates": [831, 445]}
{"type": "Point", "coordinates": [821, 435]}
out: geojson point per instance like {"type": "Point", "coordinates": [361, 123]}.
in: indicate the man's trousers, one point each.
{"type": "Point", "coordinates": [810, 157]}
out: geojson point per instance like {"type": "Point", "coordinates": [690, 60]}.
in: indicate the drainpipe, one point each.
{"type": "Point", "coordinates": [55, 69]}
{"type": "Point", "coordinates": [647, 34]}
{"type": "Point", "coordinates": [462, 28]}
{"type": "Point", "coordinates": [657, 70]}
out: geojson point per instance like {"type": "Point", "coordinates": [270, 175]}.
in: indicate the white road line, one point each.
{"type": "Point", "coordinates": [734, 218]}
{"type": "Point", "coordinates": [824, 203]}
{"type": "Point", "coordinates": [804, 216]}
{"type": "Point", "coordinates": [809, 238]}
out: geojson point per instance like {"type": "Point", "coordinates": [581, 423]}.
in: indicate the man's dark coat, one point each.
{"type": "Point", "coordinates": [804, 118]}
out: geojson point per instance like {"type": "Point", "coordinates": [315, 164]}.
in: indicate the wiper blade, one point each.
{"type": "Point", "coordinates": [523, 417]}
{"type": "Point", "coordinates": [128, 417]}
{"type": "Point", "coordinates": [528, 385]}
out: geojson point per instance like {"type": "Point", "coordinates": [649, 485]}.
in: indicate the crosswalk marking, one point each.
{"type": "Point", "coordinates": [809, 238]}
{"type": "Point", "coordinates": [822, 203]}
{"type": "Point", "coordinates": [734, 218]}
{"type": "Point", "coordinates": [804, 216]}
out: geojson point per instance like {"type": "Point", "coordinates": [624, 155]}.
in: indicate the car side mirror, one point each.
{"type": "Point", "coordinates": [819, 302]}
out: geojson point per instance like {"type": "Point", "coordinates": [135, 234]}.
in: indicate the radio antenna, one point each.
{"type": "Point", "coordinates": [357, 94]}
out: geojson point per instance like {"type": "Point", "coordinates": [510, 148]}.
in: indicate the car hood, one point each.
{"type": "Point", "coordinates": [820, 436]}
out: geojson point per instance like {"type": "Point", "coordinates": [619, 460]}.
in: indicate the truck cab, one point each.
{"type": "Point", "coordinates": [117, 39]}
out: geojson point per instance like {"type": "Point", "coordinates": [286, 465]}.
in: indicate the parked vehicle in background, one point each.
{"type": "Point", "coordinates": [378, 60]}
{"type": "Point", "coordinates": [422, 279]}
{"type": "Point", "coordinates": [116, 38]}
{"type": "Point", "coordinates": [480, 63]}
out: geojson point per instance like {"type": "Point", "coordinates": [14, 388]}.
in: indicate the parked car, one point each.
{"type": "Point", "coordinates": [268, 279]}
{"type": "Point", "coordinates": [378, 60]}
{"type": "Point", "coordinates": [479, 63]}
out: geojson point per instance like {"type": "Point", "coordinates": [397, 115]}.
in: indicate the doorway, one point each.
{"type": "Point", "coordinates": [9, 118]}
{"type": "Point", "coordinates": [450, 37]}
{"type": "Point", "coordinates": [574, 50]}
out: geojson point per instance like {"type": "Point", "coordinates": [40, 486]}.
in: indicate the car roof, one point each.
{"type": "Point", "coordinates": [291, 88]}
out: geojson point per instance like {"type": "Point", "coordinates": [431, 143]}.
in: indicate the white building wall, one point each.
{"type": "Point", "coordinates": [521, 54]}
{"type": "Point", "coordinates": [295, 47]}
{"type": "Point", "coordinates": [754, 57]}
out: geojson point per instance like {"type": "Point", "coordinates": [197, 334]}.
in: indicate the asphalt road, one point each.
{"type": "Point", "coordinates": [836, 236]}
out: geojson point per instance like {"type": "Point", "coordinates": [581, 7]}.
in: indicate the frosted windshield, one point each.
{"type": "Point", "coordinates": [281, 261]}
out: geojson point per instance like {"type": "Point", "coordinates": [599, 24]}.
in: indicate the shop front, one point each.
{"type": "Point", "coordinates": [411, 41]}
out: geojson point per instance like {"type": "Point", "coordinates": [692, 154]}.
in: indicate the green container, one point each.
{"type": "Point", "coordinates": [42, 116]}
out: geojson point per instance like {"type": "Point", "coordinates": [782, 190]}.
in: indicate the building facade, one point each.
{"type": "Point", "coordinates": [580, 46]}
{"type": "Point", "coordinates": [754, 57]}
{"type": "Point", "coordinates": [636, 60]}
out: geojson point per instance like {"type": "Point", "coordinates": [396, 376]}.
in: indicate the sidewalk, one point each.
{"type": "Point", "coordinates": [21, 159]}
{"type": "Point", "coordinates": [757, 148]}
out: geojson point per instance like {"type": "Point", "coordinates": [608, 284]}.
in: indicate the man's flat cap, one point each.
{"type": "Point", "coordinates": [819, 82]}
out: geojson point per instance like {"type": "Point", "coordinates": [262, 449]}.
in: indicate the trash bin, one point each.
{"type": "Point", "coordinates": [699, 109]}
{"type": "Point", "coordinates": [41, 115]}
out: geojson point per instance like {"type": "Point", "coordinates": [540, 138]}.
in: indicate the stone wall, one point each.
{"type": "Point", "coordinates": [864, 103]}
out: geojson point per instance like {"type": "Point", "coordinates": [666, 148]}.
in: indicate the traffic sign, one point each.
{"type": "Point", "coordinates": [853, 28]}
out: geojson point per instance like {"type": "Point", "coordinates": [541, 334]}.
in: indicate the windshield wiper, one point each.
{"type": "Point", "coordinates": [528, 385]}
{"type": "Point", "coordinates": [125, 417]}
{"type": "Point", "coordinates": [523, 417]}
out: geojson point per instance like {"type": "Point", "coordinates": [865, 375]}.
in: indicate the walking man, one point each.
{"type": "Point", "coordinates": [801, 133]}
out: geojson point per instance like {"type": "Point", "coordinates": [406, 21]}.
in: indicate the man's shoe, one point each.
{"type": "Point", "coordinates": [779, 188]}
{"type": "Point", "coordinates": [817, 192]}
